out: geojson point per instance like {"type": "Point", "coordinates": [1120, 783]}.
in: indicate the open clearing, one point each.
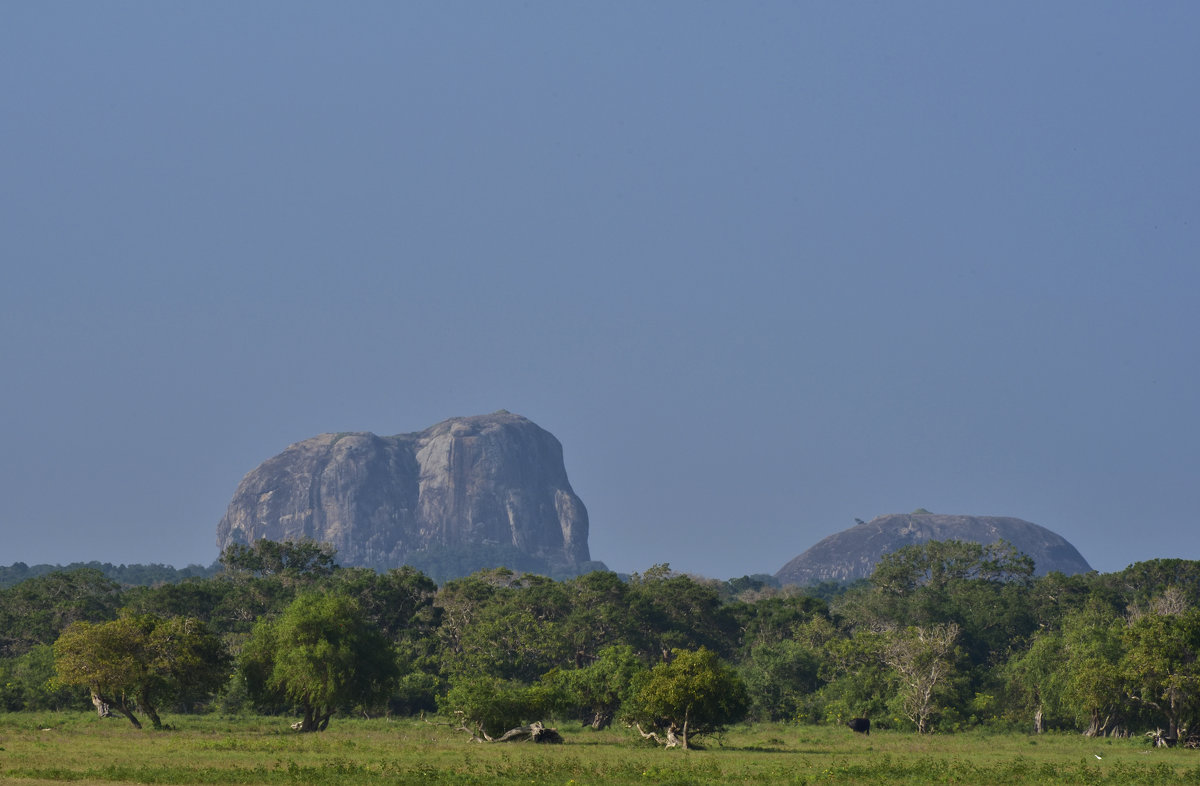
{"type": "Point", "coordinates": [78, 748]}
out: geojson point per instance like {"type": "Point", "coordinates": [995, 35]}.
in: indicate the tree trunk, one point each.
{"type": "Point", "coordinates": [152, 714]}
{"type": "Point", "coordinates": [123, 708]}
{"type": "Point", "coordinates": [314, 720]}
{"type": "Point", "coordinates": [102, 708]}
{"type": "Point", "coordinates": [1039, 722]}
{"type": "Point", "coordinates": [1098, 725]}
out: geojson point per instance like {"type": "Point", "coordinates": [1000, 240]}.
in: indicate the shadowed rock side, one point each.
{"type": "Point", "coordinates": [488, 480]}
{"type": "Point", "coordinates": [853, 553]}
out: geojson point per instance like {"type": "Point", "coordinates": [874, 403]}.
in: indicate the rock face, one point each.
{"type": "Point", "coordinates": [853, 553]}
{"type": "Point", "coordinates": [488, 480]}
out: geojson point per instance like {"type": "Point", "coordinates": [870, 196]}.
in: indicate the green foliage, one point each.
{"type": "Point", "coordinates": [671, 610]}
{"type": "Point", "coordinates": [445, 563]}
{"type": "Point", "coordinates": [198, 598]}
{"type": "Point", "coordinates": [322, 654]}
{"type": "Point", "coordinates": [693, 694]}
{"type": "Point", "coordinates": [37, 610]}
{"type": "Point", "coordinates": [1036, 682]}
{"type": "Point", "coordinates": [983, 590]}
{"type": "Point", "coordinates": [1094, 688]}
{"type": "Point", "coordinates": [1161, 666]}
{"type": "Point", "coordinates": [398, 602]}
{"type": "Point", "coordinates": [924, 660]}
{"type": "Point", "coordinates": [125, 575]}
{"type": "Point", "coordinates": [27, 683]}
{"type": "Point", "coordinates": [596, 692]}
{"type": "Point", "coordinates": [489, 706]}
{"type": "Point", "coordinates": [502, 624]}
{"type": "Point", "coordinates": [142, 661]}
{"type": "Point", "coordinates": [779, 677]}
{"type": "Point", "coordinates": [1096, 653]}
{"type": "Point", "coordinates": [1142, 582]}
{"type": "Point", "coordinates": [291, 560]}
{"type": "Point", "coordinates": [598, 615]}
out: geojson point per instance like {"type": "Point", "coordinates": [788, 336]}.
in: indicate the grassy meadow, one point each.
{"type": "Point", "coordinates": [40, 748]}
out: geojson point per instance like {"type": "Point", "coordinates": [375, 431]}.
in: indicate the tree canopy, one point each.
{"type": "Point", "coordinates": [692, 694]}
{"type": "Point", "coordinates": [322, 654]}
{"type": "Point", "coordinates": [141, 662]}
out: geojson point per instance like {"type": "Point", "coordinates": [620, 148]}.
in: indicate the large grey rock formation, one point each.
{"type": "Point", "coordinates": [488, 480]}
{"type": "Point", "coordinates": [853, 553]}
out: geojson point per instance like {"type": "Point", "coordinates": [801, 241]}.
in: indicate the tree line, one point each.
{"type": "Point", "coordinates": [943, 636]}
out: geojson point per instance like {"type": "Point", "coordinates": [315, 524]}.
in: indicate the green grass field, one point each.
{"type": "Point", "coordinates": [40, 748]}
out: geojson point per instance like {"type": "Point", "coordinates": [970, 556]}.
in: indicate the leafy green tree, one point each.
{"type": "Point", "coordinates": [400, 604]}
{"type": "Point", "coordinates": [857, 682]}
{"type": "Point", "coordinates": [1053, 596]}
{"type": "Point", "coordinates": [292, 560]}
{"type": "Point", "coordinates": [984, 590]}
{"type": "Point", "coordinates": [27, 683]}
{"type": "Point", "coordinates": [487, 706]}
{"type": "Point", "coordinates": [772, 619]}
{"type": "Point", "coordinates": [1143, 582]}
{"type": "Point", "coordinates": [779, 676]}
{"type": "Point", "coordinates": [598, 615]}
{"type": "Point", "coordinates": [445, 563]}
{"type": "Point", "coordinates": [1162, 668]}
{"type": "Point", "coordinates": [1035, 680]}
{"type": "Point", "coordinates": [1094, 686]}
{"type": "Point", "coordinates": [322, 654]}
{"type": "Point", "coordinates": [502, 624]}
{"type": "Point", "coordinates": [693, 694]}
{"type": "Point", "coordinates": [196, 598]}
{"type": "Point", "coordinates": [142, 662]}
{"type": "Point", "coordinates": [243, 599]}
{"type": "Point", "coordinates": [38, 609]}
{"type": "Point", "coordinates": [670, 610]}
{"type": "Point", "coordinates": [596, 692]}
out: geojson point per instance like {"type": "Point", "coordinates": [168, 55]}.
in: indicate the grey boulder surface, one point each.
{"type": "Point", "coordinates": [485, 480]}
{"type": "Point", "coordinates": [853, 553]}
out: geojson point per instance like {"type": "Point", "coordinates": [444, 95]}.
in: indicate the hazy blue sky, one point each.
{"type": "Point", "coordinates": [763, 268]}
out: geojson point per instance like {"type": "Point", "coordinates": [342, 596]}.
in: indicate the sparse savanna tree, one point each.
{"type": "Point", "coordinates": [141, 663]}
{"type": "Point", "coordinates": [692, 694]}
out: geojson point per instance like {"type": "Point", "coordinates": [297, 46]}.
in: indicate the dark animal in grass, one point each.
{"type": "Point", "coordinates": [860, 725]}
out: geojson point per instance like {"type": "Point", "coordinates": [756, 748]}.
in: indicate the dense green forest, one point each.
{"type": "Point", "coordinates": [944, 636]}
